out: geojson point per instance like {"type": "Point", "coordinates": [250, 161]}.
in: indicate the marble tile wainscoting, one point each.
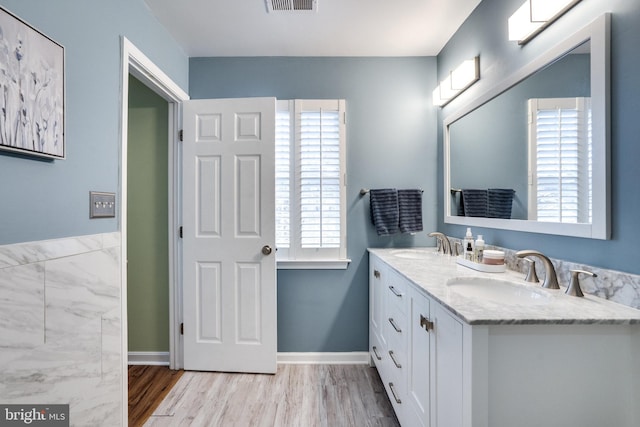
{"type": "Point", "coordinates": [617, 286]}
{"type": "Point", "coordinates": [60, 326]}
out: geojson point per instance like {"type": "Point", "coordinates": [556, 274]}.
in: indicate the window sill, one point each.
{"type": "Point", "coordinates": [315, 264]}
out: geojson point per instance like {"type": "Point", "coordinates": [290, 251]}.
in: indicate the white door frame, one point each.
{"type": "Point", "coordinates": [136, 63]}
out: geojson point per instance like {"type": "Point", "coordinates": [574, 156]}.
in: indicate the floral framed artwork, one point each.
{"type": "Point", "coordinates": [31, 90]}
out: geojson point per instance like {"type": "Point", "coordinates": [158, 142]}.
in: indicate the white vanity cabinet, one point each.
{"type": "Point", "coordinates": [448, 360]}
{"type": "Point", "coordinates": [416, 345]}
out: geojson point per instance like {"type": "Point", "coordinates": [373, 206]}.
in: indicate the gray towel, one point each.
{"type": "Point", "coordinates": [384, 210]}
{"type": "Point", "coordinates": [410, 210]}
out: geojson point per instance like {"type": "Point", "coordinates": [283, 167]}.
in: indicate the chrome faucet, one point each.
{"type": "Point", "coordinates": [444, 241]}
{"type": "Point", "coordinates": [550, 277]}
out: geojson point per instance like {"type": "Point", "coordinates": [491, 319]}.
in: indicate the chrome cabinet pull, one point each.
{"type": "Point", "coordinates": [395, 362]}
{"type": "Point", "coordinates": [395, 395]}
{"type": "Point", "coordinates": [393, 323]}
{"type": "Point", "coordinates": [426, 323]}
{"type": "Point", "coordinates": [376, 274]}
{"type": "Point", "coordinates": [395, 292]}
{"type": "Point", "coordinates": [375, 351]}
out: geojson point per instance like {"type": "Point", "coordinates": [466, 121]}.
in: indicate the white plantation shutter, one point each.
{"type": "Point", "coordinates": [560, 160]}
{"type": "Point", "coordinates": [314, 227]}
{"type": "Point", "coordinates": [283, 176]}
{"type": "Point", "coordinates": [318, 175]}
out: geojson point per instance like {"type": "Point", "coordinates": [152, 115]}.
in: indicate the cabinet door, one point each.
{"type": "Point", "coordinates": [377, 273]}
{"type": "Point", "coordinates": [448, 368]}
{"type": "Point", "coordinates": [418, 381]}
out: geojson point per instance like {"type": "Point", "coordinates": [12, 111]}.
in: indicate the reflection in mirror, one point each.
{"type": "Point", "coordinates": [534, 139]}
{"type": "Point", "coordinates": [540, 137]}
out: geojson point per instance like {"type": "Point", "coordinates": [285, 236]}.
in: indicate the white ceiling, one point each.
{"type": "Point", "coordinates": [337, 28]}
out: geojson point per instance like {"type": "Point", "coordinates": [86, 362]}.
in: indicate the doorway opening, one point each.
{"type": "Point", "coordinates": [147, 231]}
{"type": "Point", "coordinates": [138, 65]}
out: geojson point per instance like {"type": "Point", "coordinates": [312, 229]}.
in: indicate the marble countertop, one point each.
{"type": "Point", "coordinates": [431, 271]}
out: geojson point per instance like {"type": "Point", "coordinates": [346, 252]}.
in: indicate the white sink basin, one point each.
{"type": "Point", "coordinates": [499, 291]}
{"type": "Point", "coordinates": [412, 253]}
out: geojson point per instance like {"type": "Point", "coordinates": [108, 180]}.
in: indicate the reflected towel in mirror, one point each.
{"type": "Point", "coordinates": [474, 202]}
{"type": "Point", "coordinates": [499, 202]}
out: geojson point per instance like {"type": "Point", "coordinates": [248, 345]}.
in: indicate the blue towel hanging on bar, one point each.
{"type": "Point", "coordinates": [474, 202]}
{"type": "Point", "coordinates": [499, 202]}
{"type": "Point", "coordinates": [384, 210]}
{"type": "Point", "coordinates": [410, 210]}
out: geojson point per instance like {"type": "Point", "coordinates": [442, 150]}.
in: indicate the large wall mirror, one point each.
{"type": "Point", "coordinates": [532, 154]}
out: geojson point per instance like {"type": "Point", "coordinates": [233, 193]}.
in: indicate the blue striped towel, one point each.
{"type": "Point", "coordinates": [410, 210]}
{"type": "Point", "coordinates": [499, 202]}
{"type": "Point", "coordinates": [474, 202]}
{"type": "Point", "coordinates": [384, 210]}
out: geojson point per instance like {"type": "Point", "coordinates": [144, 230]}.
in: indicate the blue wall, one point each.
{"type": "Point", "coordinates": [391, 142]}
{"type": "Point", "coordinates": [50, 199]}
{"type": "Point", "coordinates": [485, 34]}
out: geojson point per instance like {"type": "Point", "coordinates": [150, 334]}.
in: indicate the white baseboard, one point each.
{"type": "Point", "coordinates": [149, 358]}
{"type": "Point", "coordinates": [307, 358]}
{"type": "Point", "coordinates": [325, 358]}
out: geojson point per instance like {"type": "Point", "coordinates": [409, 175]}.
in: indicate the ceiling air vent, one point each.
{"type": "Point", "coordinates": [291, 5]}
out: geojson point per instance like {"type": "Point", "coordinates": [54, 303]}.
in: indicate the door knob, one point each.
{"type": "Point", "coordinates": [266, 250]}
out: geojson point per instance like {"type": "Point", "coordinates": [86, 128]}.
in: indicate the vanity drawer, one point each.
{"type": "Point", "coordinates": [397, 333]}
{"type": "Point", "coordinates": [395, 381]}
{"type": "Point", "coordinates": [395, 324]}
{"type": "Point", "coordinates": [395, 288]}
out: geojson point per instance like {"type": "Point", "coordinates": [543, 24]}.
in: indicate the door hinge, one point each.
{"type": "Point", "coordinates": [181, 328]}
{"type": "Point", "coordinates": [180, 232]}
{"type": "Point", "coordinates": [181, 135]}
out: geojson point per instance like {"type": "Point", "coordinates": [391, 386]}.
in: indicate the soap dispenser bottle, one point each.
{"type": "Point", "coordinates": [467, 245]}
{"type": "Point", "coordinates": [479, 249]}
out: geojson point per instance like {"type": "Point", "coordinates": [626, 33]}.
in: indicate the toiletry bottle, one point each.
{"type": "Point", "coordinates": [479, 248]}
{"type": "Point", "coordinates": [467, 245]}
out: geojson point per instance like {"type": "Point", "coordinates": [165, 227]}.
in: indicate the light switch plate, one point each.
{"type": "Point", "coordinates": [102, 205]}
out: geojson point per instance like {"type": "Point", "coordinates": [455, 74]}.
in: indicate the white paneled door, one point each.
{"type": "Point", "coordinates": [229, 268]}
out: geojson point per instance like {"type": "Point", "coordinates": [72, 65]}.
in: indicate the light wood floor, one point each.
{"type": "Point", "coordinates": [297, 396]}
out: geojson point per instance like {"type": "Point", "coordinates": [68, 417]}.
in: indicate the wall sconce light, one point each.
{"type": "Point", "coordinates": [534, 16]}
{"type": "Point", "coordinates": [457, 81]}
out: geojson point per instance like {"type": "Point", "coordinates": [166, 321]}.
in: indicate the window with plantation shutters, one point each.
{"type": "Point", "coordinates": [310, 187]}
{"type": "Point", "coordinates": [560, 160]}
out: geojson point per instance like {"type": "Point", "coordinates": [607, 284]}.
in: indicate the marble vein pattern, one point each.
{"type": "Point", "coordinates": [433, 271]}
{"type": "Point", "coordinates": [22, 306]}
{"type": "Point", "coordinates": [60, 326]}
{"type": "Point", "coordinates": [621, 287]}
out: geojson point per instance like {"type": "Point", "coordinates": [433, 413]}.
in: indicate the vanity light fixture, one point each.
{"type": "Point", "coordinates": [534, 16]}
{"type": "Point", "coordinates": [457, 81]}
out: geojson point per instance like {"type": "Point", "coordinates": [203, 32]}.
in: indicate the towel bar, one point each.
{"type": "Point", "coordinates": [364, 191]}
{"type": "Point", "coordinates": [453, 191]}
